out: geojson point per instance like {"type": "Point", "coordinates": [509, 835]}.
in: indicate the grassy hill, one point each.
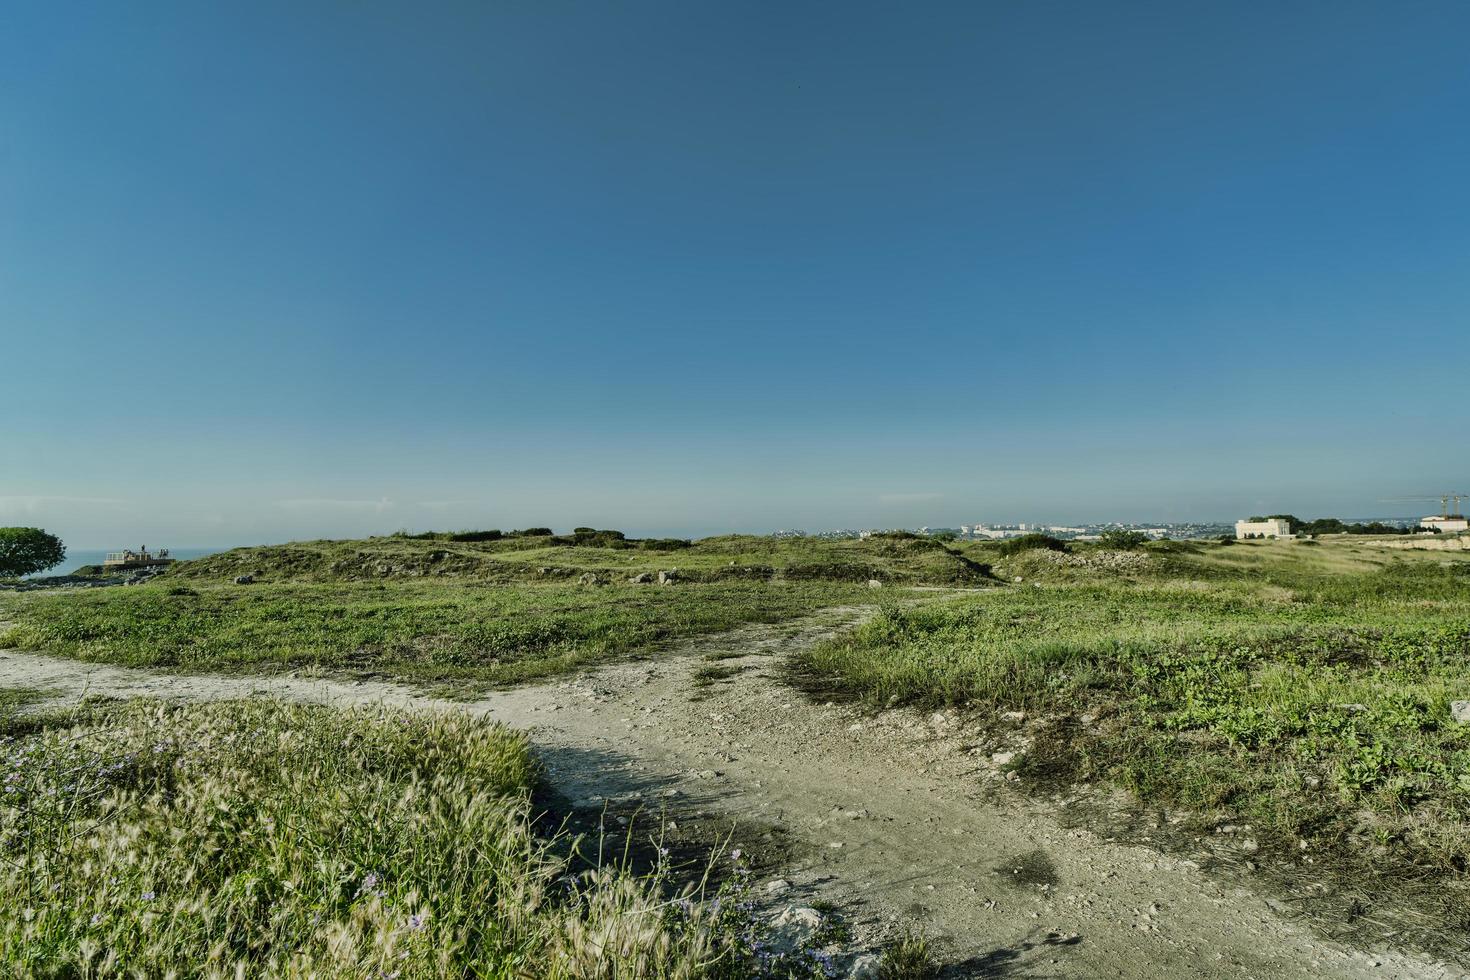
{"type": "Point", "coordinates": [909, 560]}
{"type": "Point", "coordinates": [466, 611]}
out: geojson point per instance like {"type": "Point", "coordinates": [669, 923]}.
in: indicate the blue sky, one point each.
{"type": "Point", "coordinates": [302, 269]}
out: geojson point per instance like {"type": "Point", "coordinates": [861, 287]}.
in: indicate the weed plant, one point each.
{"type": "Point", "coordinates": [259, 839]}
{"type": "Point", "coordinates": [1314, 704]}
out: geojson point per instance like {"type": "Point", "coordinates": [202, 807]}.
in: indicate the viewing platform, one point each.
{"type": "Point", "coordinates": [142, 558]}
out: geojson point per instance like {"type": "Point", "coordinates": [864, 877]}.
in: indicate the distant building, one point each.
{"type": "Point", "coordinates": [1273, 527]}
{"type": "Point", "coordinates": [1445, 524]}
{"type": "Point", "coordinates": [129, 559]}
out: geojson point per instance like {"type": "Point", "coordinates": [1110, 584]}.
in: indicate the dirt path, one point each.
{"type": "Point", "coordinates": [894, 818]}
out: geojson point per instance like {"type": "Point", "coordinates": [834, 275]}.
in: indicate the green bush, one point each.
{"type": "Point", "coordinates": [1123, 540]}
{"type": "Point", "coordinates": [1031, 542]}
{"type": "Point", "coordinates": [590, 537]}
{"type": "Point", "coordinates": [492, 535]}
{"type": "Point", "coordinates": [664, 544]}
{"type": "Point", "coordinates": [24, 550]}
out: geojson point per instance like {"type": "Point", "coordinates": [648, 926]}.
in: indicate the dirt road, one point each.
{"type": "Point", "coordinates": [896, 818]}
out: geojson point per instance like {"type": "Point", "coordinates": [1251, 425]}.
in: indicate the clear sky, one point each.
{"type": "Point", "coordinates": [273, 270]}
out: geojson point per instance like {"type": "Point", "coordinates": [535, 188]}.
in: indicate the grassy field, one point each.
{"type": "Point", "coordinates": [259, 839]}
{"type": "Point", "coordinates": [443, 630]}
{"type": "Point", "coordinates": [477, 612]}
{"type": "Point", "coordinates": [1301, 688]}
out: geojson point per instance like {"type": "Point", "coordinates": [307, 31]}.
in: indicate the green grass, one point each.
{"type": "Point", "coordinates": [1303, 690]}
{"type": "Point", "coordinates": [259, 839]}
{"type": "Point", "coordinates": [15, 699]}
{"type": "Point", "coordinates": [490, 612]}
{"type": "Point", "coordinates": [727, 558]}
{"type": "Point", "coordinates": [444, 630]}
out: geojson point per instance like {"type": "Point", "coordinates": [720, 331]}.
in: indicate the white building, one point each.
{"type": "Point", "coordinates": [1452, 524]}
{"type": "Point", "coordinates": [1273, 527]}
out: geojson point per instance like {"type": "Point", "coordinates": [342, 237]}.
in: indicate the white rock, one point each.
{"type": "Point", "coordinates": [777, 886]}
{"type": "Point", "coordinates": [1002, 758]}
{"type": "Point", "coordinates": [868, 966]}
{"type": "Point", "coordinates": [795, 927]}
{"type": "Point", "coordinates": [1460, 711]}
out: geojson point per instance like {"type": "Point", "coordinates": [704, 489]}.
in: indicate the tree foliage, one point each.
{"type": "Point", "coordinates": [1121, 539]}
{"type": "Point", "coordinates": [24, 550]}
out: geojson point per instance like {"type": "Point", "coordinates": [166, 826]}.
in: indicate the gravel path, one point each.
{"type": "Point", "coordinates": [896, 818]}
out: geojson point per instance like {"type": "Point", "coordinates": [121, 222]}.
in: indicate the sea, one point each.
{"type": "Point", "coordinates": [77, 557]}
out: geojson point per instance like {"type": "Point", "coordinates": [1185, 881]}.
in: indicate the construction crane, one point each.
{"type": "Point", "coordinates": [1444, 502]}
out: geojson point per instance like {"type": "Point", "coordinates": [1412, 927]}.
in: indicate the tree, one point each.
{"type": "Point", "coordinates": [24, 550]}
{"type": "Point", "coordinates": [1121, 539]}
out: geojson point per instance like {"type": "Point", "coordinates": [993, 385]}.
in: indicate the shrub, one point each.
{"type": "Point", "coordinates": [24, 550]}
{"type": "Point", "coordinates": [1122, 540]}
{"type": "Point", "coordinates": [491, 535]}
{"type": "Point", "coordinates": [405, 534]}
{"type": "Point", "coordinates": [910, 958]}
{"type": "Point", "coordinates": [664, 544]}
{"type": "Point", "coordinates": [1031, 542]}
{"type": "Point", "coordinates": [535, 532]}
{"type": "Point", "coordinates": [587, 537]}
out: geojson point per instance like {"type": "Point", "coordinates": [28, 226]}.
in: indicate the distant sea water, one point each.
{"type": "Point", "coordinates": [77, 557]}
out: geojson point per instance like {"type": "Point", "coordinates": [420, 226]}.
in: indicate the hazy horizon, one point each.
{"type": "Point", "coordinates": [130, 537]}
{"type": "Point", "coordinates": [282, 272]}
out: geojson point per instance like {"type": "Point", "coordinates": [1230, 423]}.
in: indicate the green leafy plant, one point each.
{"type": "Point", "coordinates": [1031, 542]}
{"type": "Point", "coordinates": [26, 550]}
{"type": "Point", "coordinates": [1121, 539]}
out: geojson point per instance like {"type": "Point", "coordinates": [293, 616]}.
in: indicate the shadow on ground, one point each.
{"type": "Point", "coordinates": [1018, 960]}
